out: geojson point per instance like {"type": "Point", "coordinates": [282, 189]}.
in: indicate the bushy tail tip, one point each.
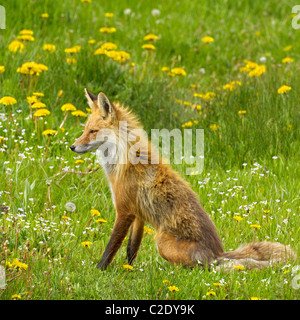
{"type": "Point", "coordinates": [256, 255]}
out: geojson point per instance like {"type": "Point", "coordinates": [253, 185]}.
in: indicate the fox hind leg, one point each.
{"type": "Point", "coordinates": [176, 251]}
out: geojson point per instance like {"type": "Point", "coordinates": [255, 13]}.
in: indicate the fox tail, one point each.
{"type": "Point", "coordinates": [256, 255]}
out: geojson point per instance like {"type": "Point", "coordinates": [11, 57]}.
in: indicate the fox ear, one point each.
{"type": "Point", "coordinates": [105, 105]}
{"type": "Point", "coordinates": [91, 98]}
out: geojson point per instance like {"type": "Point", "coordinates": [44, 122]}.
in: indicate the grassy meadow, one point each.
{"type": "Point", "coordinates": [228, 67]}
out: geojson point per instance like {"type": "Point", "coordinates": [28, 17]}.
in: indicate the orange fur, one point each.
{"type": "Point", "coordinates": [154, 193]}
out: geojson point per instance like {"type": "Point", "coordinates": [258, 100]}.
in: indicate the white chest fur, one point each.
{"type": "Point", "coordinates": [105, 166]}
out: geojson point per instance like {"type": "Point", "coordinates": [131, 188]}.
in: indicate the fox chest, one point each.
{"type": "Point", "coordinates": [112, 193]}
{"type": "Point", "coordinates": [107, 170]}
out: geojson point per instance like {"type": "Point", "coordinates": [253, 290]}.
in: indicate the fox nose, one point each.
{"type": "Point", "coordinates": [72, 147]}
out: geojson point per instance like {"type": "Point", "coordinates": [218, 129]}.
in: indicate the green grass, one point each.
{"type": "Point", "coordinates": [35, 229]}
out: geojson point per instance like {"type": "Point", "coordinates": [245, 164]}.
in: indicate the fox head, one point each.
{"type": "Point", "coordinates": [104, 116]}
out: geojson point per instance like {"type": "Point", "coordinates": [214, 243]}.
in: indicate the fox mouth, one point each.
{"type": "Point", "coordinates": [85, 148]}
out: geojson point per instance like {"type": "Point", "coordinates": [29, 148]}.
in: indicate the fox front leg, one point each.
{"type": "Point", "coordinates": [121, 227]}
{"type": "Point", "coordinates": [135, 239]}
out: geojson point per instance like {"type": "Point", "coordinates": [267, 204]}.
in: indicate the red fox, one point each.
{"type": "Point", "coordinates": [156, 194]}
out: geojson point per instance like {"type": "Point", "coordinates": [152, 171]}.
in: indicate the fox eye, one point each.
{"type": "Point", "coordinates": [93, 131]}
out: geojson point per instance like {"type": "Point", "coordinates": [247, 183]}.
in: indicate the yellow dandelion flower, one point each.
{"type": "Point", "coordinates": [49, 47]}
{"type": "Point", "coordinates": [79, 113]}
{"type": "Point", "coordinates": [26, 32]}
{"type": "Point", "coordinates": [8, 101]}
{"type": "Point", "coordinates": [148, 46]}
{"type": "Point", "coordinates": [287, 60]}
{"type": "Point", "coordinates": [173, 289]}
{"type": "Point", "coordinates": [253, 69]}
{"type": "Point", "coordinates": [68, 107]}
{"type": "Point", "coordinates": [86, 244]}
{"type": "Point", "coordinates": [60, 93]}
{"type": "Point", "coordinates": [71, 61]}
{"type": "Point", "coordinates": [38, 105]}
{"type": "Point", "coordinates": [284, 89]}
{"type": "Point", "coordinates": [86, 1]}
{"type": "Point", "coordinates": [286, 271]}
{"type": "Point", "coordinates": [49, 132]}
{"type": "Point", "coordinates": [210, 293]}
{"type": "Point", "coordinates": [109, 46]}
{"type": "Point", "coordinates": [267, 211]}
{"type": "Point", "coordinates": [166, 282]}
{"type": "Point", "coordinates": [15, 46]}
{"type": "Point", "coordinates": [19, 265]}
{"type": "Point", "coordinates": [79, 161]}
{"type": "Point", "coordinates": [41, 67]}
{"type": "Point", "coordinates": [254, 298]}
{"type": "Point", "coordinates": [187, 124]}
{"type": "Point", "coordinates": [205, 96]}
{"type": "Point", "coordinates": [100, 51]}
{"type": "Point", "coordinates": [209, 95]}
{"type": "Point", "coordinates": [119, 56]}
{"type": "Point", "coordinates": [107, 30]}
{"type": "Point", "coordinates": [74, 49]}
{"type": "Point", "coordinates": [239, 267]}
{"type": "Point", "coordinates": [237, 218]}
{"type": "Point", "coordinates": [38, 94]}
{"type": "Point", "coordinates": [41, 113]}
{"type": "Point", "coordinates": [255, 226]}
{"type": "Point", "coordinates": [101, 220]}
{"type": "Point", "coordinates": [32, 68]}
{"type": "Point", "coordinates": [95, 212]}
{"type": "Point", "coordinates": [214, 127]}
{"type": "Point", "coordinates": [127, 267]}
{"type": "Point", "coordinates": [164, 69]}
{"type": "Point", "coordinates": [1, 139]}
{"type": "Point", "coordinates": [32, 100]}
{"type": "Point", "coordinates": [2, 69]}
{"type": "Point", "coordinates": [45, 15]}
{"type": "Point", "coordinates": [25, 37]}
{"type": "Point", "coordinates": [207, 39]}
{"type": "Point", "coordinates": [91, 41]}
{"type": "Point", "coordinates": [178, 71]}
{"type": "Point", "coordinates": [148, 230]}
{"type": "Point", "coordinates": [109, 15]}
{"type": "Point", "coordinates": [257, 72]}
{"type": "Point", "coordinates": [242, 112]}
{"type": "Point", "coordinates": [287, 48]}
{"type": "Point", "coordinates": [232, 85]}
{"type": "Point", "coordinates": [150, 37]}
{"type": "Point", "coordinates": [16, 296]}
